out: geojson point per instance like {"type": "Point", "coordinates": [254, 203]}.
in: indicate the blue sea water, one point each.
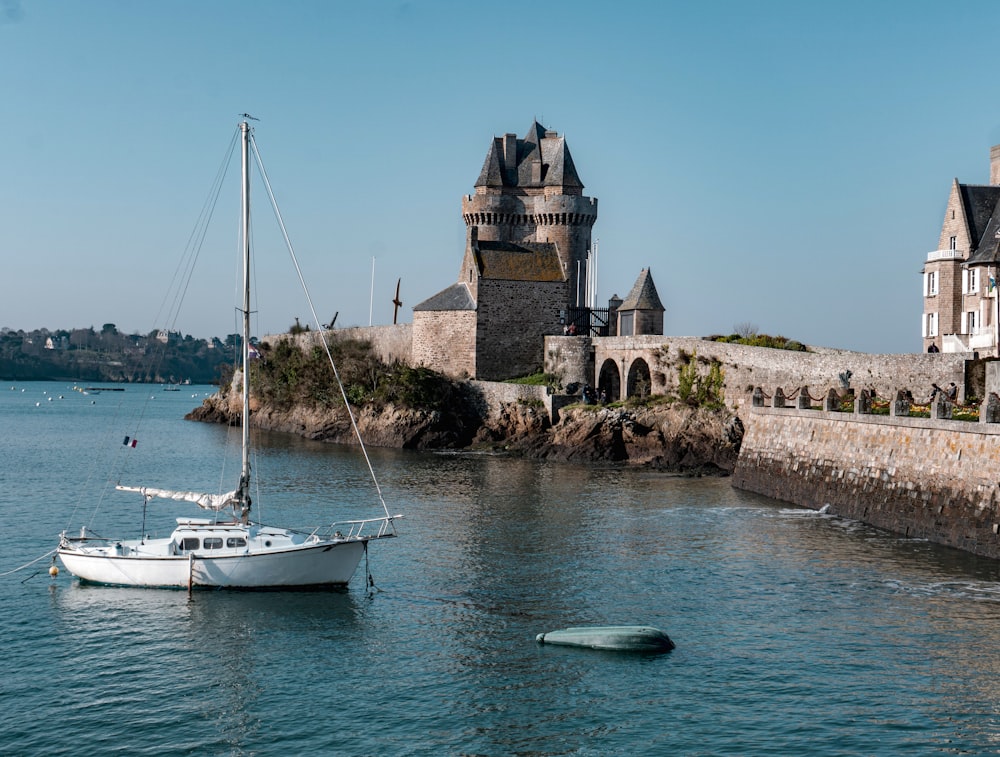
{"type": "Point", "coordinates": [796, 633]}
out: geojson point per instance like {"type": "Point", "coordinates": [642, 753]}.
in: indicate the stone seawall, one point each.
{"type": "Point", "coordinates": [922, 478]}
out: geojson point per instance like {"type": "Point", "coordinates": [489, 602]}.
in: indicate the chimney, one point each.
{"type": "Point", "coordinates": [510, 152]}
{"type": "Point", "coordinates": [995, 164]}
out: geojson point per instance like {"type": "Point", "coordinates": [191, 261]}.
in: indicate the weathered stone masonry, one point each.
{"type": "Point", "coordinates": [585, 360]}
{"type": "Point", "coordinates": [929, 479]}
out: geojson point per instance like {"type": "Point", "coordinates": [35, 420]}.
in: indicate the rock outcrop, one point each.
{"type": "Point", "coordinates": [386, 426]}
{"type": "Point", "coordinates": [671, 437]}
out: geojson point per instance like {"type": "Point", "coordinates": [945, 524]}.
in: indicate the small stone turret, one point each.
{"type": "Point", "coordinates": [641, 312]}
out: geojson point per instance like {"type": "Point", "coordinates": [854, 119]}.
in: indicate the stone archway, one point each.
{"type": "Point", "coordinates": [609, 381]}
{"type": "Point", "coordinates": [639, 382]}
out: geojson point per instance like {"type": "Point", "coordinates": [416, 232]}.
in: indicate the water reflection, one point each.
{"type": "Point", "coordinates": [214, 653]}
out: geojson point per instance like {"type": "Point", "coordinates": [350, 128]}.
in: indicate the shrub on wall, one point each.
{"type": "Point", "coordinates": [698, 389]}
{"type": "Point", "coordinates": [761, 340]}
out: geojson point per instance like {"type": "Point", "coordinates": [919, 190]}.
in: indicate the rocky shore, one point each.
{"type": "Point", "coordinates": [668, 437]}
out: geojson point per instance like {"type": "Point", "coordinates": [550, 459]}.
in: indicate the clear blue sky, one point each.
{"type": "Point", "coordinates": [784, 164]}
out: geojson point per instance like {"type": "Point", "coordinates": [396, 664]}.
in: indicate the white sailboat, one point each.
{"type": "Point", "coordinates": [228, 550]}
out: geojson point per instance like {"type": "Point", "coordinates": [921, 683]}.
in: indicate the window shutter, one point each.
{"type": "Point", "coordinates": [965, 323]}
{"type": "Point", "coordinates": [965, 285]}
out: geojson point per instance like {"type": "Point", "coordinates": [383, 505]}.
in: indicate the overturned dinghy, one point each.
{"type": "Point", "coordinates": [617, 638]}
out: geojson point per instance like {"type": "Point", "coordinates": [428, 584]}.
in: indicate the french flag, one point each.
{"type": "Point", "coordinates": [130, 442]}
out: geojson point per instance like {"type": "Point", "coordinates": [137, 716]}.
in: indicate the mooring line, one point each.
{"type": "Point", "coordinates": [27, 565]}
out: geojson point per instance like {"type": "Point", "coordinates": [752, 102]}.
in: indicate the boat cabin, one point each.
{"type": "Point", "coordinates": [202, 534]}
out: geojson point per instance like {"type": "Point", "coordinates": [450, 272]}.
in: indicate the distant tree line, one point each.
{"type": "Point", "coordinates": [109, 355]}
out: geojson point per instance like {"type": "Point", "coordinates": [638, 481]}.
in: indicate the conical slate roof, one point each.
{"type": "Point", "coordinates": [542, 160]}
{"type": "Point", "coordinates": [492, 174]}
{"type": "Point", "coordinates": [643, 295]}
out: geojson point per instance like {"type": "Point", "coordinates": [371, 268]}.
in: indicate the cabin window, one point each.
{"type": "Point", "coordinates": [189, 543]}
{"type": "Point", "coordinates": [236, 541]}
{"type": "Point", "coordinates": [213, 542]}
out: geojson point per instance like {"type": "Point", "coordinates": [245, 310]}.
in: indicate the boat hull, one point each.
{"type": "Point", "coordinates": [617, 638]}
{"type": "Point", "coordinates": [322, 564]}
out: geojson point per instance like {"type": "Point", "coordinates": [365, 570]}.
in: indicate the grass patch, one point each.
{"type": "Point", "coordinates": [761, 340]}
{"type": "Point", "coordinates": [537, 379]}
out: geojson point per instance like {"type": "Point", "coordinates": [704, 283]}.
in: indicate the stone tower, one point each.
{"type": "Point", "coordinates": [529, 192]}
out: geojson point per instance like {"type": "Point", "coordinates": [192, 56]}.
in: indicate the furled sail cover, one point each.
{"type": "Point", "coordinates": [205, 501]}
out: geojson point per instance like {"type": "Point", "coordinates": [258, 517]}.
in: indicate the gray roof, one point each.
{"type": "Point", "coordinates": [643, 295]}
{"type": "Point", "coordinates": [455, 297]}
{"type": "Point", "coordinates": [542, 160]}
{"type": "Point", "coordinates": [523, 261]}
{"type": "Point", "coordinates": [983, 216]}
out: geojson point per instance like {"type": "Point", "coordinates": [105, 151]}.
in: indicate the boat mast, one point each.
{"type": "Point", "coordinates": [243, 497]}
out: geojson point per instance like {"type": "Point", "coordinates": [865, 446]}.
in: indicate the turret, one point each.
{"type": "Point", "coordinates": [529, 191]}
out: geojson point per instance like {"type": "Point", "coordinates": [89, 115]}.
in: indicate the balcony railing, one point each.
{"type": "Point", "coordinates": [946, 255]}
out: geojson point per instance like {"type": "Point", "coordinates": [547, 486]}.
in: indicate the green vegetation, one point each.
{"type": "Point", "coordinates": [287, 375]}
{"type": "Point", "coordinates": [700, 389]}
{"type": "Point", "coordinates": [760, 340]}
{"type": "Point", "coordinates": [649, 400]}
{"type": "Point", "coordinates": [747, 333]}
{"type": "Point", "coordinates": [550, 380]}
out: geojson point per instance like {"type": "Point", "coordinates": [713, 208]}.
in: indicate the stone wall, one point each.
{"type": "Point", "coordinates": [445, 340]}
{"type": "Point", "coordinates": [746, 367]}
{"type": "Point", "coordinates": [390, 343]}
{"type": "Point", "coordinates": [992, 374]}
{"type": "Point", "coordinates": [571, 357]}
{"type": "Point", "coordinates": [514, 317]}
{"type": "Point", "coordinates": [922, 478]}
{"type": "Point", "coordinates": [496, 394]}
